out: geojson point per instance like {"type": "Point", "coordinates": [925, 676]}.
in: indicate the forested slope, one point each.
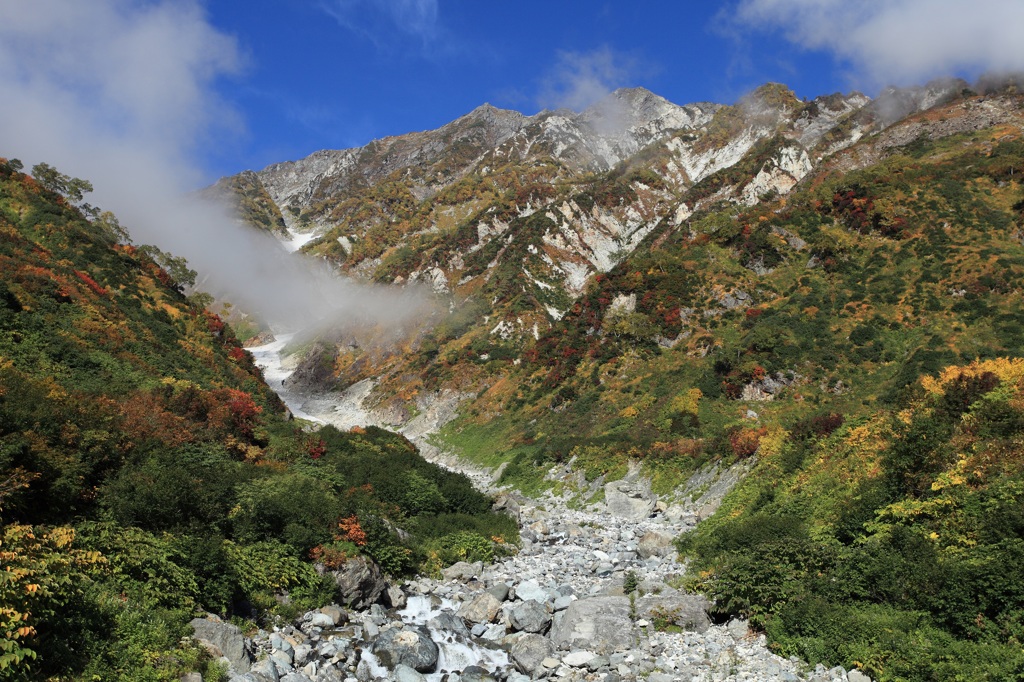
{"type": "Point", "coordinates": [147, 472]}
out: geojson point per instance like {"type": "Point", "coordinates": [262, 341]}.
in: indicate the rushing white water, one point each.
{"type": "Point", "coordinates": [268, 358]}
{"type": "Point", "coordinates": [455, 653]}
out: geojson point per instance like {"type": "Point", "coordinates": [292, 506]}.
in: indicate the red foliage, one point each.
{"type": "Point", "coordinates": [316, 448]}
{"type": "Point", "coordinates": [236, 354]}
{"type": "Point", "coordinates": [744, 442]}
{"type": "Point", "coordinates": [91, 283]}
{"type": "Point", "coordinates": [215, 324]}
{"type": "Point", "coordinates": [331, 557]}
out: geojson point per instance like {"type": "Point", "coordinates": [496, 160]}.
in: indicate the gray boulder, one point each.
{"type": "Point", "coordinates": [499, 590]}
{"type": "Point", "coordinates": [482, 608]}
{"type": "Point", "coordinates": [529, 651]}
{"type": "Point", "coordinates": [654, 543]}
{"type": "Point", "coordinates": [449, 622]}
{"type": "Point", "coordinates": [462, 570]}
{"type": "Point", "coordinates": [599, 624]}
{"type": "Point", "coordinates": [474, 673]}
{"type": "Point", "coordinates": [360, 582]}
{"type": "Point", "coordinates": [529, 589]}
{"type": "Point", "coordinates": [406, 646]}
{"type": "Point", "coordinates": [394, 597]}
{"type": "Point", "coordinates": [223, 639]}
{"type": "Point", "coordinates": [529, 616]}
{"type": "Point", "coordinates": [629, 499]}
{"type": "Point", "coordinates": [688, 611]}
{"type": "Point", "coordinates": [403, 673]}
{"type": "Point", "coordinates": [336, 614]}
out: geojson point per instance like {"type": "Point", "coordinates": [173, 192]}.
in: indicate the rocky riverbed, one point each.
{"type": "Point", "coordinates": [591, 595]}
{"type": "Point", "coordinates": [556, 609]}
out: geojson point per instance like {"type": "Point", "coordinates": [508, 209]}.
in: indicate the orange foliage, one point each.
{"type": "Point", "coordinates": [349, 530]}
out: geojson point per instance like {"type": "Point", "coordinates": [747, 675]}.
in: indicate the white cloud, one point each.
{"type": "Point", "coordinates": [122, 93]}
{"type": "Point", "coordinates": [580, 79]}
{"type": "Point", "coordinates": [901, 41]}
{"type": "Point", "coordinates": [377, 19]}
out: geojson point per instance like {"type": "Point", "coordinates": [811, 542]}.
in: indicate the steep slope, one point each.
{"type": "Point", "coordinates": [147, 471]}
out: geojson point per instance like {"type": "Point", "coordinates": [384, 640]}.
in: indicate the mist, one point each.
{"type": "Point", "coordinates": [899, 42]}
{"type": "Point", "coordinates": [123, 93]}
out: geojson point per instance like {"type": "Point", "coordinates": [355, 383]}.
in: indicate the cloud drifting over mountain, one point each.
{"type": "Point", "coordinates": [123, 94]}
{"type": "Point", "coordinates": [900, 41]}
{"type": "Point", "coordinates": [579, 79]}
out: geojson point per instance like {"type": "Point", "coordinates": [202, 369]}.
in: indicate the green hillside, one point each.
{"type": "Point", "coordinates": [147, 472]}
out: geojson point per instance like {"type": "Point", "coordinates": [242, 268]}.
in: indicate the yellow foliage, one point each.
{"type": "Point", "coordinates": [687, 403]}
{"type": "Point", "coordinates": [865, 437]}
{"type": "Point", "coordinates": [1008, 370]}
{"type": "Point", "coordinates": [629, 412]}
{"type": "Point", "coordinates": [772, 442]}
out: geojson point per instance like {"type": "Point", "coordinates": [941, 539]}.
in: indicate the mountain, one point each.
{"type": "Point", "coordinates": [823, 294]}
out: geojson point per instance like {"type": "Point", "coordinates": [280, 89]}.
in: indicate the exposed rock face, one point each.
{"type": "Point", "coordinates": [407, 646]}
{"type": "Point", "coordinates": [360, 582]}
{"type": "Point", "coordinates": [629, 499]}
{"type": "Point", "coordinates": [223, 639]}
{"type": "Point", "coordinates": [601, 624]}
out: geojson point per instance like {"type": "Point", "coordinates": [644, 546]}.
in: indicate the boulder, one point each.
{"type": "Point", "coordinates": [223, 639]}
{"type": "Point", "coordinates": [505, 502]}
{"type": "Point", "coordinates": [529, 589]}
{"type": "Point", "coordinates": [406, 646]}
{"type": "Point", "coordinates": [688, 611]}
{"type": "Point", "coordinates": [336, 613]}
{"type": "Point", "coordinates": [474, 673]}
{"type": "Point", "coordinates": [482, 608]}
{"type": "Point", "coordinates": [462, 570]}
{"type": "Point", "coordinates": [449, 622]}
{"type": "Point", "coordinates": [499, 590]}
{"type": "Point", "coordinates": [529, 652]}
{"type": "Point", "coordinates": [529, 616]}
{"type": "Point", "coordinates": [266, 668]}
{"type": "Point", "coordinates": [599, 624]}
{"type": "Point", "coordinates": [394, 597]}
{"type": "Point", "coordinates": [654, 543]}
{"type": "Point", "coordinates": [360, 582]}
{"type": "Point", "coordinates": [631, 500]}
{"type": "Point", "coordinates": [403, 673]}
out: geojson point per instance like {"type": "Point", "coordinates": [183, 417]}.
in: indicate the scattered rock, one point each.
{"type": "Point", "coordinates": [530, 651]}
{"type": "Point", "coordinates": [529, 616]}
{"type": "Point", "coordinates": [480, 609]}
{"type": "Point", "coordinates": [407, 646]}
{"type": "Point", "coordinates": [223, 639]}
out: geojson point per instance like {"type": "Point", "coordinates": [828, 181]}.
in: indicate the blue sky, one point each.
{"type": "Point", "coordinates": [186, 91]}
{"type": "Point", "coordinates": [339, 73]}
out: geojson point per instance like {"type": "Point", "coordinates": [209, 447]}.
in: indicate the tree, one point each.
{"type": "Point", "coordinates": [49, 177]}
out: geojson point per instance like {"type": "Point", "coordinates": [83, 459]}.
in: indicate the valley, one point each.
{"type": "Point", "coordinates": [702, 391]}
